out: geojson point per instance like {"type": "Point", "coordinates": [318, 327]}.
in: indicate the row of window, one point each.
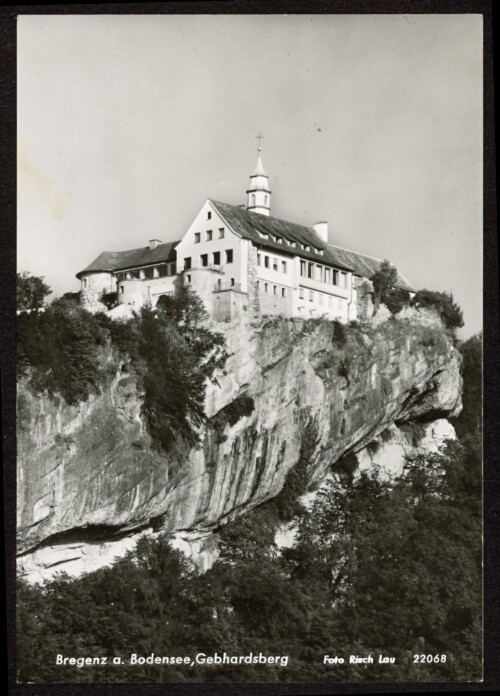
{"type": "Point", "coordinates": [216, 259]}
{"type": "Point", "coordinates": [272, 289]}
{"type": "Point", "coordinates": [312, 296]}
{"type": "Point", "coordinates": [271, 262]}
{"type": "Point", "coordinates": [316, 271]}
{"type": "Point", "coordinates": [282, 240]}
{"type": "Point", "coordinates": [162, 271]}
{"type": "Point", "coordinates": [209, 235]}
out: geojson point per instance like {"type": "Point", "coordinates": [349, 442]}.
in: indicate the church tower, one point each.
{"type": "Point", "coordinates": [259, 193]}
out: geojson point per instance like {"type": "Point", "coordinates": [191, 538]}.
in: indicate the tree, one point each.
{"type": "Point", "coordinates": [385, 288]}
{"type": "Point", "coordinates": [443, 304]}
{"type": "Point", "coordinates": [31, 292]}
{"type": "Point", "coordinates": [469, 422]}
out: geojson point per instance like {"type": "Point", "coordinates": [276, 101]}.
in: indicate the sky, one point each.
{"type": "Point", "coordinates": [128, 123]}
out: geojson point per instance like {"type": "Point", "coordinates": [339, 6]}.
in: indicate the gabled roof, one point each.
{"type": "Point", "coordinates": [249, 225]}
{"type": "Point", "coordinates": [132, 258]}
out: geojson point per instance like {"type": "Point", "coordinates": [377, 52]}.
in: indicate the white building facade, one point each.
{"type": "Point", "coordinates": [239, 259]}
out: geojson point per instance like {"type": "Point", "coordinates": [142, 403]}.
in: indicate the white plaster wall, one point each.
{"type": "Point", "coordinates": [188, 248]}
{"type": "Point", "coordinates": [275, 277]}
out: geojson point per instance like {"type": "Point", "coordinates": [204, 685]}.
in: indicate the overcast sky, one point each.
{"type": "Point", "coordinates": [126, 124]}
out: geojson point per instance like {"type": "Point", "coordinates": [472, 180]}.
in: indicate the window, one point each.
{"type": "Point", "coordinates": [266, 287]}
{"type": "Point", "coordinates": [188, 278]}
{"type": "Point", "coordinates": [187, 263]}
{"type": "Point", "coordinates": [283, 266]}
{"type": "Point", "coordinates": [221, 233]}
{"type": "Point", "coordinates": [327, 275]}
{"type": "Point", "coordinates": [258, 285]}
{"type": "Point", "coordinates": [252, 200]}
{"type": "Point", "coordinates": [85, 282]}
{"type": "Point", "coordinates": [320, 298]}
{"type": "Point", "coordinates": [275, 264]}
{"type": "Point", "coordinates": [318, 271]}
{"type": "Point", "coordinates": [283, 292]}
{"type": "Point", "coordinates": [209, 215]}
{"type": "Point", "coordinates": [310, 270]}
{"type": "Point", "coordinates": [197, 237]}
{"type": "Point", "coordinates": [229, 256]}
{"type": "Point", "coordinates": [121, 288]}
{"type": "Point", "coordinates": [330, 301]}
{"type": "Point", "coordinates": [275, 289]}
{"type": "Point", "coordinates": [266, 199]}
{"type": "Point", "coordinates": [303, 269]}
{"type": "Point", "coordinates": [216, 258]}
{"type": "Point", "coordinates": [342, 279]}
{"type": "Point", "coordinates": [171, 269]}
{"type": "Point", "coordinates": [148, 273]}
{"type": "Point", "coordinates": [311, 296]}
{"type": "Point", "coordinates": [232, 282]}
{"type": "Point", "coordinates": [163, 271]}
{"type": "Point", "coordinates": [301, 293]}
{"type": "Point", "coordinates": [335, 275]}
{"type": "Point", "coordinates": [259, 259]}
{"type": "Point", "coordinates": [209, 235]}
{"type": "Point", "coordinates": [204, 260]}
{"type": "Point", "coordinates": [266, 261]}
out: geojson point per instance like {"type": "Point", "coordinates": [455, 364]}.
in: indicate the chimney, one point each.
{"type": "Point", "coordinates": [153, 243]}
{"type": "Point", "coordinates": [321, 229]}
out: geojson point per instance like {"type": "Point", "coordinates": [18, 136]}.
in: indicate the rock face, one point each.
{"type": "Point", "coordinates": [88, 474]}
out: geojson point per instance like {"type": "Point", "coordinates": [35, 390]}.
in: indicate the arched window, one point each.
{"type": "Point", "coordinates": [252, 199]}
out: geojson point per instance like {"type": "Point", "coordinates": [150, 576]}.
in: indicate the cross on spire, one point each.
{"type": "Point", "coordinates": [259, 138]}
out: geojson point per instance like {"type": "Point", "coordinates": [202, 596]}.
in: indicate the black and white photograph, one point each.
{"type": "Point", "coordinates": [249, 349]}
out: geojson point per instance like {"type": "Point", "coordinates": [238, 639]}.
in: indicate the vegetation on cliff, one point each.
{"type": "Point", "coordinates": [375, 569]}
{"type": "Point", "coordinates": [68, 351]}
{"type": "Point", "coordinates": [386, 291]}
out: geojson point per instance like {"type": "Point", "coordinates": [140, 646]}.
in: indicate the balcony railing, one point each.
{"type": "Point", "coordinates": [227, 285]}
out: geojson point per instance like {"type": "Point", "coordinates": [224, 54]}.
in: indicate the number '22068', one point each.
{"type": "Point", "coordinates": [428, 659]}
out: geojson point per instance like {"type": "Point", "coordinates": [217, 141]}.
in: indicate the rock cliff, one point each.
{"type": "Point", "coordinates": [89, 478]}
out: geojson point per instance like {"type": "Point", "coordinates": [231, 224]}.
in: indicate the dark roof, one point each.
{"type": "Point", "coordinates": [249, 224]}
{"type": "Point", "coordinates": [132, 258]}
{"type": "Point", "coordinates": [366, 265]}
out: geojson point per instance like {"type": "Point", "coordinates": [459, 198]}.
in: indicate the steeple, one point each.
{"type": "Point", "coordinates": [259, 193]}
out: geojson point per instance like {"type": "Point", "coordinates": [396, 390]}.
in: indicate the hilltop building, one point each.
{"type": "Point", "coordinates": [240, 260]}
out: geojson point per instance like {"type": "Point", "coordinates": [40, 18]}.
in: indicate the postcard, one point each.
{"type": "Point", "coordinates": [249, 350]}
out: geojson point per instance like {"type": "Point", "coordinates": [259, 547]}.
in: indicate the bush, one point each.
{"type": "Point", "coordinates": [339, 332]}
{"type": "Point", "coordinates": [443, 303]}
